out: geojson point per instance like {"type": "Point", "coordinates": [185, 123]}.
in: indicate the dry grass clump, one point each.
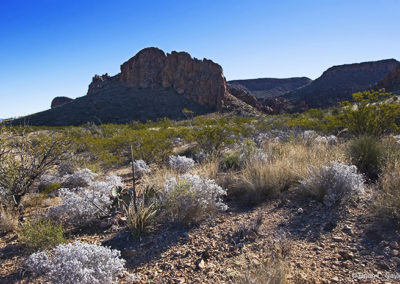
{"type": "Point", "coordinates": [285, 166]}
{"type": "Point", "coordinates": [387, 199]}
{"type": "Point", "coordinates": [8, 221]}
{"type": "Point", "coordinates": [273, 269]}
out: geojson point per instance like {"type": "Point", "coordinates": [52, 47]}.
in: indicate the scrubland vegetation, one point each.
{"type": "Point", "coordinates": [55, 182]}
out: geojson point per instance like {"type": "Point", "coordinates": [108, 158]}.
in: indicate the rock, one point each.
{"type": "Point", "coordinates": [346, 255]}
{"type": "Point", "coordinates": [394, 245]}
{"type": "Point", "coordinates": [186, 235]}
{"type": "Point", "coordinates": [201, 264]}
{"type": "Point", "coordinates": [300, 211]}
{"type": "Point", "coordinates": [395, 252]}
{"type": "Point", "coordinates": [335, 279]}
{"type": "Point", "coordinates": [59, 101]}
{"type": "Point", "coordinates": [337, 239]}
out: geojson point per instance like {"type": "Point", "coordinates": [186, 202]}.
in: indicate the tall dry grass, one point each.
{"type": "Point", "coordinates": [286, 165]}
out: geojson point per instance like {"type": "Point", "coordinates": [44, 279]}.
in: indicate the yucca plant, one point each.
{"type": "Point", "coordinates": [141, 219]}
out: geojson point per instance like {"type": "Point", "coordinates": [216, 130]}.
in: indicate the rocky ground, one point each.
{"type": "Point", "coordinates": [315, 244]}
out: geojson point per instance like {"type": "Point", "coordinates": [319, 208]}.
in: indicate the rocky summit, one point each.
{"type": "Point", "coordinates": [59, 101]}
{"type": "Point", "coordinates": [151, 85]}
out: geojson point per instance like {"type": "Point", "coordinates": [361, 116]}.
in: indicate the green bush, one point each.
{"type": "Point", "coordinates": [232, 160]}
{"type": "Point", "coordinates": [41, 234]}
{"type": "Point", "coordinates": [373, 113]}
{"type": "Point", "coordinates": [366, 152]}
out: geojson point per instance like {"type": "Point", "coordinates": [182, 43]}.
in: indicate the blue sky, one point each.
{"type": "Point", "coordinates": [53, 48]}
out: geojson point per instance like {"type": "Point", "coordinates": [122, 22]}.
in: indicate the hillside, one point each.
{"type": "Point", "coordinates": [391, 82]}
{"type": "Point", "coordinates": [338, 83]}
{"type": "Point", "coordinates": [264, 88]}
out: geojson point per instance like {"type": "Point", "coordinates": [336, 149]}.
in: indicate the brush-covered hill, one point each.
{"type": "Point", "coordinates": [338, 83]}
{"type": "Point", "coordinates": [265, 88]}
{"type": "Point", "coordinates": [151, 85]}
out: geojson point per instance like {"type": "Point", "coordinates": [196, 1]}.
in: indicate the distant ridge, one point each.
{"type": "Point", "coordinates": [265, 88]}
{"type": "Point", "coordinates": [338, 83]}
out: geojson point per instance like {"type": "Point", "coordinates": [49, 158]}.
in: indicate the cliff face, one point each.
{"type": "Point", "coordinates": [391, 82]}
{"type": "Point", "coordinates": [338, 83]}
{"type": "Point", "coordinates": [201, 81]}
{"type": "Point", "coordinates": [265, 88]}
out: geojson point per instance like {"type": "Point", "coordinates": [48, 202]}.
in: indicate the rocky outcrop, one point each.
{"type": "Point", "coordinates": [59, 101]}
{"type": "Point", "coordinates": [201, 81]}
{"type": "Point", "coordinates": [338, 83]}
{"type": "Point", "coordinates": [392, 81]}
{"type": "Point", "coordinates": [245, 96]}
{"type": "Point", "coordinates": [264, 88]}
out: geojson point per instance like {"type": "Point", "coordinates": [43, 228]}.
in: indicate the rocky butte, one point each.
{"type": "Point", "coordinates": [151, 85]}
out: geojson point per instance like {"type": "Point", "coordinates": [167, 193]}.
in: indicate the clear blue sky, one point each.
{"type": "Point", "coordinates": [53, 48]}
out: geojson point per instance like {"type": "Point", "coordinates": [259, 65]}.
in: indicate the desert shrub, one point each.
{"type": "Point", "coordinates": [78, 263]}
{"type": "Point", "coordinates": [331, 184]}
{"type": "Point", "coordinates": [81, 206]}
{"type": "Point", "coordinates": [373, 113]}
{"type": "Point", "coordinates": [41, 234]}
{"type": "Point", "coordinates": [8, 221]}
{"type": "Point", "coordinates": [142, 220]}
{"type": "Point", "coordinates": [141, 168]}
{"type": "Point", "coordinates": [80, 178]}
{"type": "Point", "coordinates": [190, 199]}
{"type": "Point", "coordinates": [232, 160]}
{"type": "Point", "coordinates": [181, 164]}
{"type": "Point", "coordinates": [23, 159]}
{"type": "Point", "coordinates": [366, 152]}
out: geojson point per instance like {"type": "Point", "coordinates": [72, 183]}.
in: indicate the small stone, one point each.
{"type": "Point", "coordinates": [202, 264]}
{"type": "Point", "coordinates": [337, 239]}
{"type": "Point", "coordinates": [395, 252]}
{"type": "Point", "coordinates": [335, 279]}
{"type": "Point", "coordinates": [300, 211]}
{"type": "Point", "coordinates": [345, 255]}
{"type": "Point", "coordinates": [394, 245]}
{"type": "Point", "coordinates": [383, 243]}
{"type": "Point", "coordinates": [186, 235]}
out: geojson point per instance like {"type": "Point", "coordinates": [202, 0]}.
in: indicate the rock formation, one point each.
{"type": "Point", "coordinates": [201, 81]}
{"type": "Point", "coordinates": [338, 83]}
{"type": "Point", "coordinates": [245, 96]}
{"type": "Point", "coordinates": [59, 101]}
